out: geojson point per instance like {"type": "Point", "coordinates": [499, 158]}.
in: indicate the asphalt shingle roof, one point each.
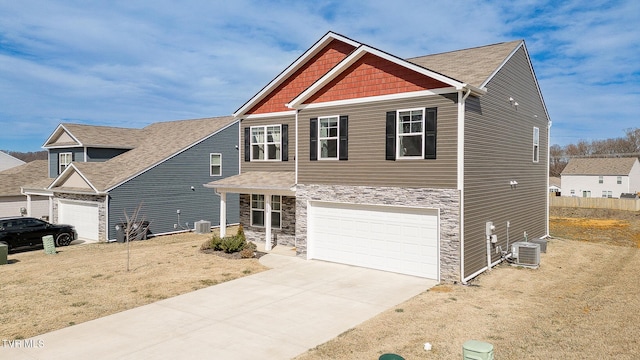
{"type": "Point", "coordinates": [275, 180]}
{"type": "Point", "coordinates": [103, 136]}
{"type": "Point", "coordinates": [12, 179]}
{"type": "Point", "coordinates": [472, 66]}
{"type": "Point", "coordinates": [599, 166]}
{"type": "Point", "coordinates": [154, 144]}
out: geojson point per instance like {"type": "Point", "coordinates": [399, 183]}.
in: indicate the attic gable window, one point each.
{"type": "Point", "coordinates": [64, 159]}
{"type": "Point", "coordinates": [266, 143]}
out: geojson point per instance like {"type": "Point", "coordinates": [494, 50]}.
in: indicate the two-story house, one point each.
{"type": "Point", "coordinates": [356, 156]}
{"type": "Point", "coordinates": [97, 173]}
{"type": "Point", "coordinates": [601, 177]}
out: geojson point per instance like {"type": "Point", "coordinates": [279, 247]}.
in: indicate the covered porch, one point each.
{"type": "Point", "coordinates": [267, 206]}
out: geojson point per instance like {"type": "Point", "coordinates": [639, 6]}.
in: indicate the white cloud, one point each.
{"type": "Point", "coordinates": [131, 63]}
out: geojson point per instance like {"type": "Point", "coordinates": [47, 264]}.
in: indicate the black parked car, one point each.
{"type": "Point", "coordinates": [27, 231]}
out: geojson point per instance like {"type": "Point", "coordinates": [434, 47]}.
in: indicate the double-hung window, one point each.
{"type": "Point", "coordinates": [258, 210]}
{"type": "Point", "coordinates": [536, 144]}
{"type": "Point", "coordinates": [328, 137]}
{"type": "Point", "coordinates": [607, 194]}
{"type": "Point", "coordinates": [64, 159]}
{"type": "Point", "coordinates": [600, 179]}
{"type": "Point", "coordinates": [266, 142]}
{"type": "Point", "coordinates": [619, 180]}
{"type": "Point", "coordinates": [215, 164]}
{"type": "Point", "coordinates": [410, 134]}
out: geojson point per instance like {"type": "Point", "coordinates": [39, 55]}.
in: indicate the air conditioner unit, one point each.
{"type": "Point", "coordinates": [203, 227]}
{"type": "Point", "coordinates": [526, 254]}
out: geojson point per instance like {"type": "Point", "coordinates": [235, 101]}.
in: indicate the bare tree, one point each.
{"type": "Point", "coordinates": [135, 227]}
{"type": "Point", "coordinates": [557, 160]}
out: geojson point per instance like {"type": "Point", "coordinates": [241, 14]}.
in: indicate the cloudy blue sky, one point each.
{"type": "Point", "coordinates": [130, 63]}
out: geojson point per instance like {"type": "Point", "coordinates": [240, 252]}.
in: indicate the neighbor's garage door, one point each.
{"type": "Point", "coordinates": [82, 215]}
{"type": "Point", "coordinates": [396, 239]}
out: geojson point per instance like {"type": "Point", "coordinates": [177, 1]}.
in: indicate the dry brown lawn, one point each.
{"type": "Point", "coordinates": [40, 293]}
{"type": "Point", "coordinates": [582, 303]}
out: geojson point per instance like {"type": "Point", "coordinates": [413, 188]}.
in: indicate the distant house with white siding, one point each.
{"type": "Point", "coordinates": [7, 161]}
{"type": "Point", "coordinates": [601, 177]}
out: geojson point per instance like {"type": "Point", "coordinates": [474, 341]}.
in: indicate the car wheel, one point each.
{"type": "Point", "coordinates": [63, 239]}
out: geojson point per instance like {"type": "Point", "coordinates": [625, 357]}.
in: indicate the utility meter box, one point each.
{"type": "Point", "coordinates": [4, 251]}
{"type": "Point", "coordinates": [477, 350]}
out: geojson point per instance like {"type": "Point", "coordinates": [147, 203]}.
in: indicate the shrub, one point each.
{"type": "Point", "coordinates": [240, 233]}
{"type": "Point", "coordinates": [247, 253]}
{"type": "Point", "coordinates": [216, 242]}
{"type": "Point", "coordinates": [232, 244]}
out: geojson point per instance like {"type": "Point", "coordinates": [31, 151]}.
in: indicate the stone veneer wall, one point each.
{"type": "Point", "coordinates": [102, 210]}
{"type": "Point", "coordinates": [447, 200]}
{"type": "Point", "coordinates": [286, 235]}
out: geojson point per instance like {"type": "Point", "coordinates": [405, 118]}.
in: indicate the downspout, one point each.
{"type": "Point", "coordinates": [461, 109]}
{"type": "Point", "coordinates": [296, 151]}
{"type": "Point", "coordinates": [548, 164]}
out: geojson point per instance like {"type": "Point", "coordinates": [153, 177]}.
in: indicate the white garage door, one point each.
{"type": "Point", "coordinates": [396, 239]}
{"type": "Point", "coordinates": [82, 215]}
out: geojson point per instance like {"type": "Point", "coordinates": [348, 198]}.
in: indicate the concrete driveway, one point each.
{"type": "Point", "coordinates": [276, 314]}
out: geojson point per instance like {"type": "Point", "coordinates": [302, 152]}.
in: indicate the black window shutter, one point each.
{"type": "Point", "coordinates": [391, 136]}
{"type": "Point", "coordinates": [247, 144]}
{"type": "Point", "coordinates": [285, 142]}
{"type": "Point", "coordinates": [313, 139]}
{"type": "Point", "coordinates": [430, 133]}
{"type": "Point", "coordinates": [344, 138]}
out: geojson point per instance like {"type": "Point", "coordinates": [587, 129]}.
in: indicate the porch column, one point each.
{"type": "Point", "coordinates": [267, 222]}
{"type": "Point", "coordinates": [223, 214]}
{"type": "Point", "coordinates": [28, 205]}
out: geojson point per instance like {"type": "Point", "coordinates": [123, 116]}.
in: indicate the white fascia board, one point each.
{"type": "Point", "coordinates": [66, 173]}
{"type": "Point", "coordinates": [269, 115]}
{"type": "Point", "coordinates": [252, 190]}
{"type": "Point", "coordinates": [355, 56]}
{"type": "Point", "coordinates": [59, 129]}
{"type": "Point", "coordinates": [369, 99]}
{"type": "Point", "coordinates": [312, 51]}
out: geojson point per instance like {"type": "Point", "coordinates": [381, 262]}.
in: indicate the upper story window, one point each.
{"type": "Point", "coordinates": [619, 180]}
{"type": "Point", "coordinates": [600, 179]}
{"type": "Point", "coordinates": [536, 144]}
{"type": "Point", "coordinates": [328, 138]}
{"type": "Point", "coordinates": [64, 159]}
{"type": "Point", "coordinates": [266, 143]}
{"type": "Point", "coordinates": [215, 164]}
{"type": "Point", "coordinates": [411, 134]}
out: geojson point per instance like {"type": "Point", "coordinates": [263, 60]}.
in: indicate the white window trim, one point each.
{"type": "Point", "coordinates": [60, 155]}
{"type": "Point", "coordinates": [398, 147]}
{"type": "Point", "coordinates": [264, 201]}
{"type": "Point", "coordinates": [536, 144]}
{"type": "Point", "coordinates": [337, 138]}
{"type": "Point", "coordinates": [266, 143]}
{"type": "Point", "coordinates": [211, 164]}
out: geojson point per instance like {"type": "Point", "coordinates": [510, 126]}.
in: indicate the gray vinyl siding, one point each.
{"type": "Point", "coordinates": [103, 154]}
{"type": "Point", "coordinates": [270, 165]}
{"type": "Point", "coordinates": [78, 156]}
{"type": "Point", "coordinates": [498, 149]}
{"type": "Point", "coordinates": [366, 164]}
{"type": "Point", "coordinates": [166, 188]}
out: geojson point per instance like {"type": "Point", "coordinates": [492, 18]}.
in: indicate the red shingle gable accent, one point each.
{"type": "Point", "coordinates": [372, 76]}
{"type": "Point", "coordinates": [299, 81]}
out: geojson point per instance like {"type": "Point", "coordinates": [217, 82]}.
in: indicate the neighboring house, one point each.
{"type": "Point", "coordinates": [356, 156]}
{"type": "Point", "coordinates": [555, 185]}
{"type": "Point", "coordinates": [97, 173]}
{"type": "Point", "coordinates": [12, 201]}
{"type": "Point", "coordinates": [7, 161]}
{"type": "Point", "coordinates": [601, 177]}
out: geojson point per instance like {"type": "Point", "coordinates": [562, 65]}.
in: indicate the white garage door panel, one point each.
{"type": "Point", "coordinates": [83, 216]}
{"type": "Point", "coordinates": [396, 239]}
